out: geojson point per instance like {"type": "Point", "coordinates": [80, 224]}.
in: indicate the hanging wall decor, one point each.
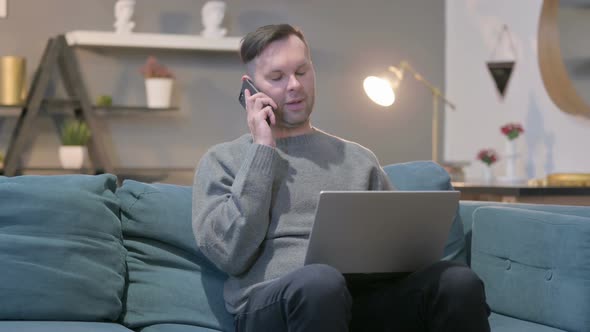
{"type": "Point", "coordinates": [501, 70]}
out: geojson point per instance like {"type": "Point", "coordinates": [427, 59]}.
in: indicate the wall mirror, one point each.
{"type": "Point", "coordinates": [564, 54]}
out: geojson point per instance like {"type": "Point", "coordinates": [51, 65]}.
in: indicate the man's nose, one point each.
{"type": "Point", "coordinates": [293, 83]}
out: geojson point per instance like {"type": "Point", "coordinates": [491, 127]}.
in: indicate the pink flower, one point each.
{"type": "Point", "coordinates": [487, 156]}
{"type": "Point", "coordinates": [512, 130]}
{"type": "Point", "coordinates": [153, 69]}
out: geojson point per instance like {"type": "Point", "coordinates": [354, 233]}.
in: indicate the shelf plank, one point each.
{"type": "Point", "coordinates": [172, 175]}
{"type": "Point", "coordinates": [152, 41]}
{"type": "Point", "coordinates": [15, 110]}
{"type": "Point", "coordinates": [134, 110]}
{"type": "Point", "coordinates": [175, 175]}
{"type": "Point", "coordinates": [117, 170]}
{"type": "Point", "coordinates": [10, 111]}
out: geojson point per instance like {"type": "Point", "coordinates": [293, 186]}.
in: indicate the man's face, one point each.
{"type": "Point", "coordinates": [285, 73]}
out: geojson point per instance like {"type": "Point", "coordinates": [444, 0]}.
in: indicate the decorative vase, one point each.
{"type": "Point", "coordinates": [159, 92]}
{"type": "Point", "coordinates": [72, 156]}
{"type": "Point", "coordinates": [510, 157]}
{"type": "Point", "coordinates": [488, 175]}
{"type": "Point", "coordinates": [12, 80]}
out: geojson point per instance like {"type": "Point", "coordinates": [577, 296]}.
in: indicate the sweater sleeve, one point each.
{"type": "Point", "coordinates": [230, 213]}
{"type": "Point", "coordinates": [378, 179]}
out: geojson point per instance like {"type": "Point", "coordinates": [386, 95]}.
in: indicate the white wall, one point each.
{"type": "Point", "coordinates": [554, 141]}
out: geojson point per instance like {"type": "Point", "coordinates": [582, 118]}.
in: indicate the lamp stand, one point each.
{"type": "Point", "coordinates": [435, 124]}
{"type": "Point", "coordinates": [436, 95]}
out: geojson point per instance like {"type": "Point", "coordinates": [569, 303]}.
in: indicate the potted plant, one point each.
{"type": "Point", "coordinates": [104, 101]}
{"type": "Point", "coordinates": [75, 135]}
{"type": "Point", "coordinates": [158, 83]}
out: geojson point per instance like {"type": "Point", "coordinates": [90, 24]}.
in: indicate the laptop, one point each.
{"type": "Point", "coordinates": [381, 231]}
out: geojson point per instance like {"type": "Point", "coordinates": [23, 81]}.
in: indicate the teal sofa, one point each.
{"type": "Point", "coordinates": [78, 253]}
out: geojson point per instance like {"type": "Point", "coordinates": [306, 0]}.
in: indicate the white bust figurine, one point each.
{"type": "Point", "coordinates": [123, 14]}
{"type": "Point", "coordinates": [212, 15]}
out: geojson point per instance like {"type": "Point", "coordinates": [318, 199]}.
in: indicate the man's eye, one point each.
{"type": "Point", "coordinates": [276, 78]}
{"type": "Point", "coordinates": [301, 73]}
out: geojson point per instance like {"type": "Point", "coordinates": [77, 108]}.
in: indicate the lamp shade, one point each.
{"type": "Point", "coordinates": [379, 90]}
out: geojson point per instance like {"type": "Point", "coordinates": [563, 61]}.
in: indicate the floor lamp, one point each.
{"type": "Point", "coordinates": [381, 90]}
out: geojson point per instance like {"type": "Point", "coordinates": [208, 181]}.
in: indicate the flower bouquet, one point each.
{"type": "Point", "coordinates": [512, 130]}
{"type": "Point", "coordinates": [487, 156]}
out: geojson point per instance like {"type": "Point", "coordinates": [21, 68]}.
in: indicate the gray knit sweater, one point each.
{"type": "Point", "coordinates": [253, 205]}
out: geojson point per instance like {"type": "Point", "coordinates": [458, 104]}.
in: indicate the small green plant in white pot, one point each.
{"type": "Point", "coordinates": [75, 135]}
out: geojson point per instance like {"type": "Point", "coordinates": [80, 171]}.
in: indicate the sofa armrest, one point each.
{"type": "Point", "coordinates": [535, 265]}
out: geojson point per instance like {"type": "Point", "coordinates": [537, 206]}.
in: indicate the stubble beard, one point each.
{"type": "Point", "coordinates": [286, 121]}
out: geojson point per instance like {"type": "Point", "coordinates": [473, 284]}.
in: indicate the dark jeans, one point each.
{"type": "Point", "coordinates": [443, 297]}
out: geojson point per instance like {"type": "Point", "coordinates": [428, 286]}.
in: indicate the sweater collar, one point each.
{"type": "Point", "coordinates": [298, 140]}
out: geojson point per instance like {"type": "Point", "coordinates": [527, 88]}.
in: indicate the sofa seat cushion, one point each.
{"type": "Point", "coordinates": [170, 281]}
{"type": "Point", "coordinates": [534, 265]}
{"type": "Point", "coordinates": [428, 175]}
{"type": "Point", "coordinates": [175, 328]}
{"type": "Point", "coordinates": [501, 323]}
{"type": "Point", "coordinates": [53, 326]}
{"type": "Point", "coordinates": [61, 249]}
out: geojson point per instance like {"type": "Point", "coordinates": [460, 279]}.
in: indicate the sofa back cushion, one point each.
{"type": "Point", "coordinates": [468, 207]}
{"type": "Point", "coordinates": [535, 265]}
{"type": "Point", "coordinates": [170, 281]}
{"type": "Point", "coordinates": [61, 251]}
{"type": "Point", "coordinates": [427, 175]}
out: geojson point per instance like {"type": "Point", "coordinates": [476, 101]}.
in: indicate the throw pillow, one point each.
{"type": "Point", "coordinates": [170, 281]}
{"type": "Point", "coordinates": [61, 250]}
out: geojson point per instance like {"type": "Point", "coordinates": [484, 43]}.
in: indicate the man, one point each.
{"type": "Point", "coordinates": [254, 201]}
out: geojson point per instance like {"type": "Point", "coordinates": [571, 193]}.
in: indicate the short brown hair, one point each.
{"type": "Point", "coordinates": [256, 41]}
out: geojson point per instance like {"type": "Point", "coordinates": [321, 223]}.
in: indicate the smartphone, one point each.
{"type": "Point", "coordinates": [247, 84]}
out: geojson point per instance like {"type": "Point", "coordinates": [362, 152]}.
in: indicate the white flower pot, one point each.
{"type": "Point", "coordinates": [72, 157]}
{"type": "Point", "coordinates": [158, 91]}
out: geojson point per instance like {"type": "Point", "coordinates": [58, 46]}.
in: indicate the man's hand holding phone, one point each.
{"type": "Point", "coordinates": [260, 116]}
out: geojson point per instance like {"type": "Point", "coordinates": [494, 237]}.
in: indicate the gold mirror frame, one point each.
{"type": "Point", "coordinates": [555, 77]}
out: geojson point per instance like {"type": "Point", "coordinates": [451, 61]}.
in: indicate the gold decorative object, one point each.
{"type": "Point", "coordinates": [12, 80]}
{"type": "Point", "coordinates": [539, 182]}
{"type": "Point", "coordinates": [569, 180]}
